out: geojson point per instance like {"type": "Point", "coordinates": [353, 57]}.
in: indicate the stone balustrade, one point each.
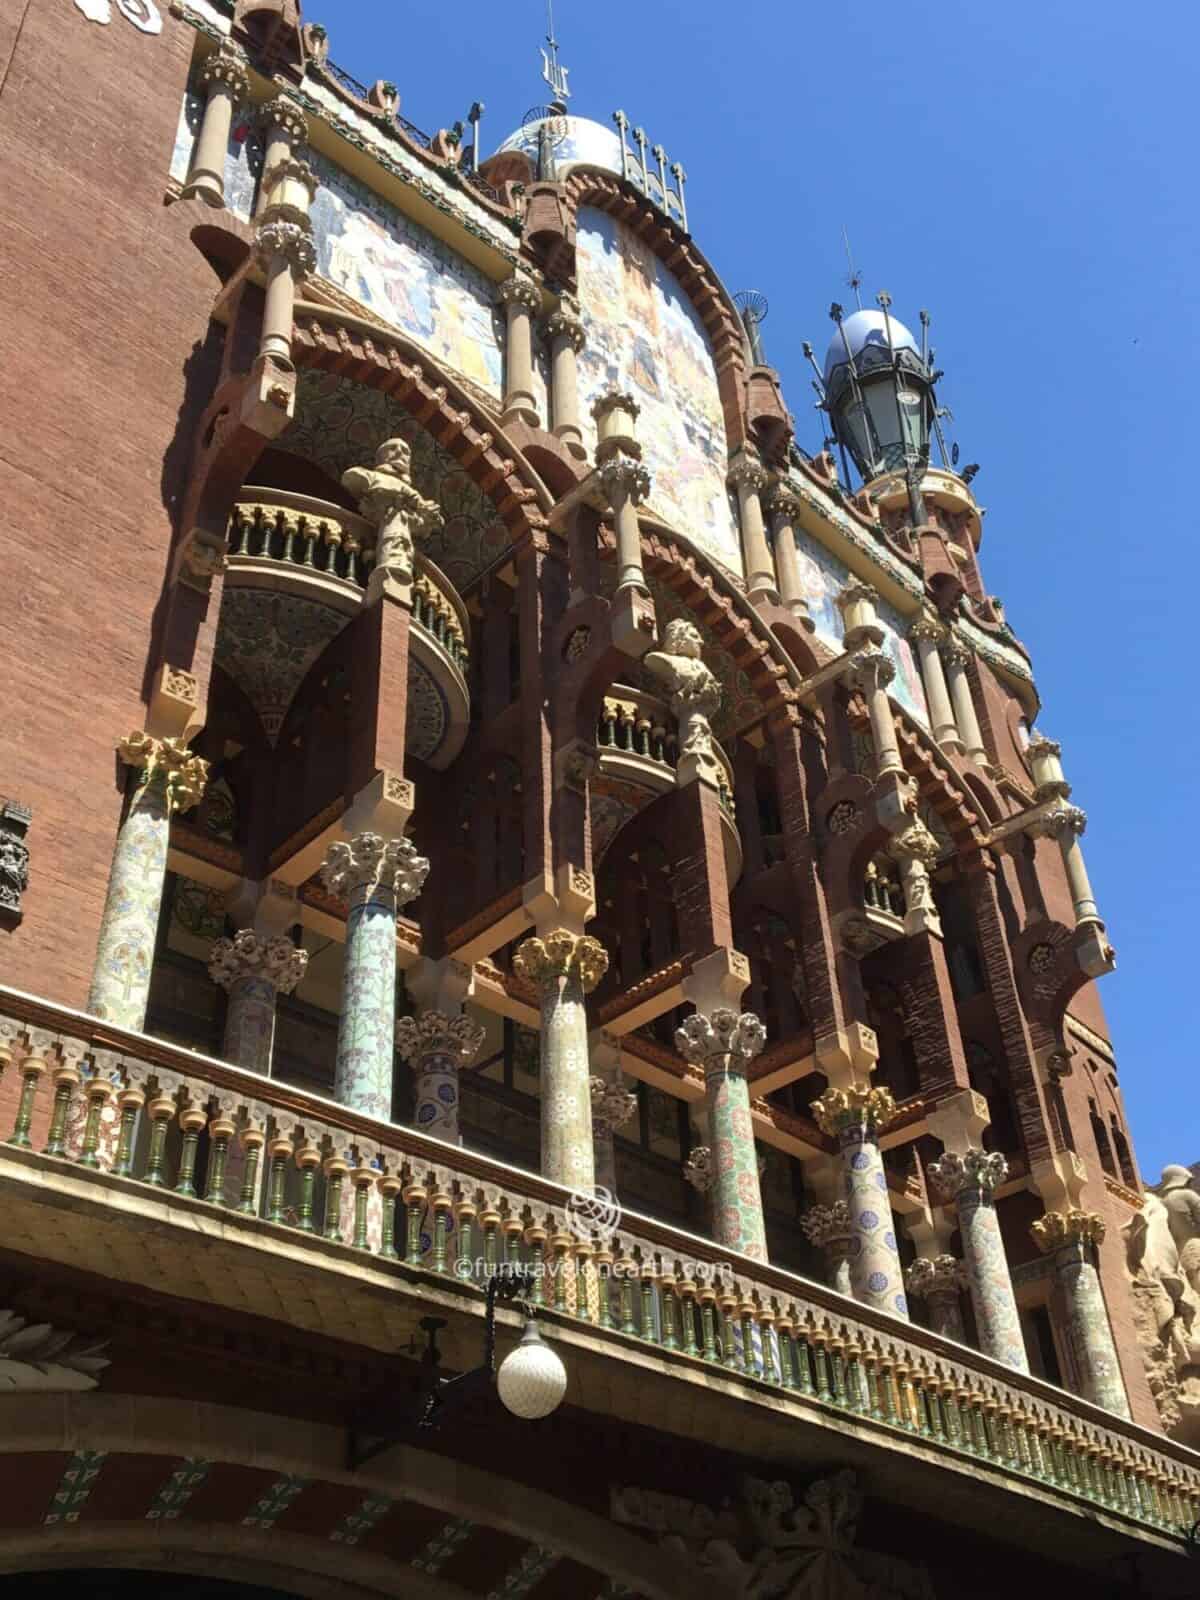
{"type": "Point", "coordinates": [159, 1117]}
{"type": "Point", "coordinates": [635, 723]}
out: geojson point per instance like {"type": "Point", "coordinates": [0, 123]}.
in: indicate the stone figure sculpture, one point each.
{"type": "Point", "coordinates": [1162, 1245]}
{"type": "Point", "coordinates": [695, 696]}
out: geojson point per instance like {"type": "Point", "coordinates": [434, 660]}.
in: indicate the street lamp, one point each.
{"type": "Point", "coordinates": [532, 1380]}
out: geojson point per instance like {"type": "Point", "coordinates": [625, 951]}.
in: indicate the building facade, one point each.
{"type": "Point", "coordinates": [485, 809]}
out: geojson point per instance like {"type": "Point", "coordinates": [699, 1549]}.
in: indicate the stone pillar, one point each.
{"type": "Point", "coordinates": [437, 1045]}
{"type": "Point", "coordinates": [564, 967]}
{"type": "Point", "coordinates": [784, 506]}
{"type": "Point", "coordinates": [286, 131]}
{"type": "Point", "coordinates": [871, 672]}
{"type": "Point", "coordinates": [927, 633]}
{"type": "Point", "coordinates": [969, 1180]}
{"type": "Point", "coordinates": [748, 479]}
{"type": "Point", "coordinates": [566, 334]}
{"type": "Point", "coordinates": [286, 254]}
{"type": "Point", "coordinates": [167, 779]}
{"type": "Point", "coordinates": [625, 485]}
{"type": "Point", "coordinates": [938, 1280]}
{"type": "Point", "coordinates": [915, 850]}
{"type": "Point", "coordinates": [612, 1104]}
{"type": "Point", "coordinates": [1066, 824]}
{"type": "Point", "coordinates": [956, 657]}
{"type": "Point", "coordinates": [723, 1043]}
{"type": "Point", "coordinates": [254, 970]}
{"type": "Point", "coordinates": [376, 877]}
{"type": "Point", "coordinates": [1070, 1239]}
{"type": "Point", "coordinates": [522, 300]}
{"type": "Point", "coordinates": [831, 1230]}
{"type": "Point", "coordinates": [224, 78]}
{"type": "Point", "coordinates": [389, 499]}
{"type": "Point", "coordinates": [855, 1117]}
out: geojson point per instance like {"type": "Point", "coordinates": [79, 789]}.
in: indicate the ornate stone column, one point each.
{"type": "Point", "coordinates": [969, 1182]}
{"type": "Point", "coordinates": [388, 498]}
{"type": "Point", "coordinates": [748, 479]}
{"type": "Point", "coordinates": [1070, 1239]}
{"type": "Point", "coordinates": [168, 778]}
{"type": "Point", "coordinates": [855, 1117]}
{"type": "Point", "coordinates": [286, 254]}
{"type": "Point", "coordinates": [567, 337]}
{"type": "Point", "coordinates": [254, 970]}
{"type": "Point", "coordinates": [938, 1280]}
{"type": "Point", "coordinates": [927, 633]}
{"type": "Point", "coordinates": [915, 850]}
{"type": "Point", "coordinates": [521, 300]}
{"type": "Point", "coordinates": [1066, 824]}
{"type": "Point", "coordinates": [723, 1043]}
{"type": "Point", "coordinates": [437, 1045]}
{"type": "Point", "coordinates": [871, 672]}
{"type": "Point", "coordinates": [376, 877]}
{"type": "Point", "coordinates": [623, 480]}
{"type": "Point", "coordinates": [286, 131]}
{"type": "Point", "coordinates": [224, 78]}
{"type": "Point", "coordinates": [832, 1231]}
{"type": "Point", "coordinates": [957, 657]}
{"type": "Point", "coordinates": [784, 506]}
{"type": "Point", "coordinates": [564, 967]}
{"type": "Point", "coordinates": [612, 1104]}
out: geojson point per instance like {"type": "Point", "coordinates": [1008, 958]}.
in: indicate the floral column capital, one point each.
{"type": "Point", "coordinates": [228, 69]}
{"type": "Point", "coordinates": [933, 1275]}
{"type": "Point", "coordinates": [723, 1041]}
{"type": "Point", "coordinates": [290, 240]}
{"type": "Point", "coordinates": [1057, 1229]}
{"type": "Point", "coordinates": [435, 1033]}
{"type": "Point", "coordinates": [698, 1169]}
{"type": "Point", "coordinates": [542, 961]}
{"type": "Point", "coordinates": [372, 862]}
{"type": "Point", "coordinates": [859, 1106]}
{"type": "Point", "coordinates": [519, 290]}
{"type": "Point", "coordinates": [828, 1225]}
{"type": "Point", "coordinates": [612, 1103]}
{"type": "Point", "coordinates": [249, 955]}
{"type": "Point", "coordinates": [166, 764]}
{"type": "Point", "coordinates": [565, 324]}
{"type": "Point", "coordinates": [984, 1170]}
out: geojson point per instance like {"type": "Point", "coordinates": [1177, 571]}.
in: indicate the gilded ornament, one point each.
{"type": "Point", "coordinates": [1059, 1228]}
{"type": "Point", "coordinates": [560, 954]}
{"type": "Point", "coordinates": [838, 1109]}
{"type": "Point", "coordinates": [167, 764]}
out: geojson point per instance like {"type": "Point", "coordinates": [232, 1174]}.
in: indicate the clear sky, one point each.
{"type": "Point", "coordinates": [1026, 172]}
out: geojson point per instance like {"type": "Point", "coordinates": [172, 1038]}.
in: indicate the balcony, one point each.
{"type": "Point", "coordinates": [295, 545]}
{"type": "Point", "coordinates": [638, 745]}
{"type": "Point", "coordinates": [205, 1181]}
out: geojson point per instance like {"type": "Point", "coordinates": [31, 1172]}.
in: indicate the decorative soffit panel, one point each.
{"type": "Point", "coordinates": [268, 642]}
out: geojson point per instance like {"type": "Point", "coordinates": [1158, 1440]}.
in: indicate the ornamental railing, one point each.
{"type": "Point", "coordinates": [636, 723]}
{"type": "Point", "coordinates": [252, 1147]}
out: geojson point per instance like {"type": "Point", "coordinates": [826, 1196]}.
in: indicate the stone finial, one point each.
{"type": "Point", "coordinates": [860, 1105]}
{"type": "Point", "coordinates": [166, 764]}
{"type": "Point", "coordinates": [388, 498]}
{"type": "Point", "coordinates": [1060, 1228]}
{"type": "Point", "coordinates": [370, 862]}
{"type": "Point", "coordinates": [933, 1275]}
{"type": "Point", "coordinates": [984, 1170]}
{"type": "Point", "coordinates": [250, 955]}
{"type": "Point", "coordinates": [436, 1033]}
{"type": "Point", "coordinates": [698, 1169]}
{"type": "Point", "coordinates": [723, 1041]}
{"type": "Point", "coordinates": [561, 954]}
{"type": "Point", "coordinates": [827, 1225]}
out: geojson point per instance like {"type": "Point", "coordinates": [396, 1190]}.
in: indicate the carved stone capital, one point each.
{"type": "Point", "coordinates": [933, 1275]}
{"type": "Point", "coordinates": [828, 1227]}
{"type": "Point", "coordinates": [290, 239]}
{"type": "Point", "coordinates": [984, 1170]}
{"type": "Point", "coordinates": [1060, 1228]}
{"type": "Point", "coordinates": [227, 70]}
{"type": "Point", "coordinates": [871, 669]}
{"type": "Point", "coordinates": [520, 291]}
{"type": "Point", "coordinates": [166, 764]}
{"type": "Point", "coordinates": [542, 961]}
{"type": "Point", "coordinates": [1040, 745]}
{"type": "Point", "coordinates": [783, 503]}
{"type": "Point", "coordinates": [698, 1169]}
{"type": "Point", "coordinates": [434, 1033]}
{"type": "Point", "coordinates": [250, 955]}
{"type": "Point", "coordinates": [370, 861]}
{"type": "Point", "coordinates": [858, 1106]}
{"type": "Point", "coordinates": [615, 400]}
{"type": "Point", "coordinates": [286, 116]}
{"type": "Point", "coordinates": [723, 1041]}
{"type": "Point", "coordinates": [914, 843]}
{"type": "Point", "coordinates": [622, 478]}
{"type": "Point", "coordinates": [562, 324]}
{"type": "Point", "coordinates": [1061, 821]}
{"type": "Point", "coordinates": [748, 474]}
{"type": "Point", "coordinates": [612, 1103]}
{"type": "Point", "coordinates": [929, 630]}
{"type": "Point", "coordinates": [955, 653]}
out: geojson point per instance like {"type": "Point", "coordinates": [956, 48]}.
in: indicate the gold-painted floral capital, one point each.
{"type": "Point", "coordinates": [167, 764]}
{"type": "Point", "coordinates": [838, 1109]}
{"type": "Point", "coordinates": [1060, 1228]}
{"type": "Point", "coordinates": [560, 954]}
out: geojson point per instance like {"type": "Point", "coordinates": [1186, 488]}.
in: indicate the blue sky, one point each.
{"type": "Point", "coordinates": [1024, 171]}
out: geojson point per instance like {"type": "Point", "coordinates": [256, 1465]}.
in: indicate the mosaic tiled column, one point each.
{"type": "Point", "coordinates": [938, 1281]}
{"type": "Point", "coordinates": [1070, 1239]}
{"type": "Point", "coordinates": [436, 1046]}
{"type": "Point", "coordinates": [167, 779]}
{"type": "Point", "coordinates": [376, 877]}
{"type": "Point", "coordinates": [564, 967]}
{"type": "Point", "coordinates": [254, 971]}
{"type": "Point", "coordinates": [612, 1104]}
{"type": "Point", "coordinates": [970, 1182]}
{"type": "Point", "coordinates": [831, 1230]}
{"type": "Point", "coordinates": [723, 1043]}
{"type": "Point", "coordinates": [855, 1117]}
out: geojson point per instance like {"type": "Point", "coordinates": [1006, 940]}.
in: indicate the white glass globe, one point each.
{"type": "Point", "coordinates": [531, 1380]}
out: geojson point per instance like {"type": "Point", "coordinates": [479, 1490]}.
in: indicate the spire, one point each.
{"type": "Point", "coordinates": [554, 74]}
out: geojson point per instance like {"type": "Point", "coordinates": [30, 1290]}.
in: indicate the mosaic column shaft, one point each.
{"type": "Point", "coordinates": [855, 1117]}
{"type": "Point", "coordinates": [936, 1280]}
{"type": "Point", "coordinates": [225, 78]}
{"type": "Point", "coordinates": [1070, 1238]}
{"type": "Point", "coordinates": [564, 967]}
{"type": "Point", "coordinates": [437, 1046]}
{"type": "Point", "coordinates": [724, 1042]}
{"type": "Point", "coordinates": [376, 877]}
{"type": "Point", "coordinates": [168, 779]}
{"type": "Point", "coordinates": [254, 971]}
{"type": "Point", "coordinates": [970, 1181]}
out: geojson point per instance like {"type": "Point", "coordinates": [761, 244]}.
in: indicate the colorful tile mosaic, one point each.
{"type": "Point", "coordinates": [355, 1525]}
{"type": "Point", "coordinates": [434, 1555]}
{"type": "Point", "coordinates": [125, 951]}
{"type": "Point", "coordinates": [874, 1257]}
{"type": "Point", "coordinates": [75, 1485]}
{"type": "Point", "coordinates": [178, 1490]}
{"type": "Point", "coordinates": [644, 336]}
{"type": "Point", "coordinates": [736, 1199]}
{"type": "Point", "coordinates": [273, 1502]}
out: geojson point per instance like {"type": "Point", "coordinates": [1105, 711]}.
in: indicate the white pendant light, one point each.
{"type": "Point", "coordinates": [531, 1380]}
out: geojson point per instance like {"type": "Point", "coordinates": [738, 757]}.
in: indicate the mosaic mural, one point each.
{"type": "Point", "coordinates": [339, 423]}
{"type": "Point", "coordinates": [267, 643]}
{"type": "Point", "coordinates": [644, 336]}
{"type": "Point", "coordinates": [822, 577]}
